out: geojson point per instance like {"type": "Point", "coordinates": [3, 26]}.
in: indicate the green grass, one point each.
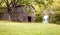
{"type": "Point", "coordinates": [16, 28]}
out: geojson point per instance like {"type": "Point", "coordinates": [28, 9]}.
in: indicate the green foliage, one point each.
{"type": "Point", "coordinates": [44, 2]}
{"type": "Point", "coordinates": [28, 10]}
{"type": "Point", "coordinates": [2, 4]}
{"type": "Point", "coordinates": [57, 16]}
{"type": "Point", "coordinates": [39, 6]}
{"type": "Point", "coordinates": [24, 2]}
{"type": "Point", "coordinates": [39, 17]}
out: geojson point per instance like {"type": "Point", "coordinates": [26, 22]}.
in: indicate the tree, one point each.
{"type": "Point", "coordinates": [43, 5]}
{"type": "Point", "coordinates": [10, 4]}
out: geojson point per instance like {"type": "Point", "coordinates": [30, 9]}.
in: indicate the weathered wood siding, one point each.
{"type": "Point", "coordinates": [18, 14]}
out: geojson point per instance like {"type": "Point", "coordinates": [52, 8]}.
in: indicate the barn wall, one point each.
{"type": "Point", "coordinates": [18, 14]}
{"type": "Point", "coordinates": [3, 14]}
{"type": "Point", "coordinates": [3, 10]}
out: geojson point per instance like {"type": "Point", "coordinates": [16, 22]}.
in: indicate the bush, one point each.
{"type": "Point", "coordinates": [39, 17]}
{"type": "Point", "coordinates": [57, 17]}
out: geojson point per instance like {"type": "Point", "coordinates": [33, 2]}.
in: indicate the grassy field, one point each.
{"type": "Point", "coordinates": [15, 28]}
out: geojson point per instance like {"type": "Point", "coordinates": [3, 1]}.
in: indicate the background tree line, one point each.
{"type": "Point", "coordinates": [39, 6]}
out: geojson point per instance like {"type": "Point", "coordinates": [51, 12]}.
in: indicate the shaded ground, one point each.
{"type": "Point", "coordinates": [14, 28]}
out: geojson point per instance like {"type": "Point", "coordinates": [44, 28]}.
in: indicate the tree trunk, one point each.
{"type": "Point", "coordinates": [9, 12]}
{"type": "Point", "coordinates": [9, 16]}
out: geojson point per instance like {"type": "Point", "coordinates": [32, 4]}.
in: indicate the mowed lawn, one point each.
{"type": "Point", "coordinates": [15, 28]}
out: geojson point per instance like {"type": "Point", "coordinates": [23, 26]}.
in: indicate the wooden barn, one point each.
{"type": "Point", "coordinates": [19, 15]}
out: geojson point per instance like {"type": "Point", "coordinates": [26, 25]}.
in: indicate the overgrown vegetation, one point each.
{"type": "Point", "coordinates": [39, 7]}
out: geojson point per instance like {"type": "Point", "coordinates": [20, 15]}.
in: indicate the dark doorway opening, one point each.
{"type": "Point", "coordinates": [17, 20]}
{"type": "Point", "coordinates": [29, 18]}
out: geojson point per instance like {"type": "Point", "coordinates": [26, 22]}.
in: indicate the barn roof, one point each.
{"type": "Point", "coordinates": [19, 5]}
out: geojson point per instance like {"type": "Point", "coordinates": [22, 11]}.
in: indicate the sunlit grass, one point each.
{"type": "Point", "coordinates": [17, 28]}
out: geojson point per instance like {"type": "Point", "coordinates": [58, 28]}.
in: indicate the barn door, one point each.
{"type": "Point", "coordinates": [29, 18]}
